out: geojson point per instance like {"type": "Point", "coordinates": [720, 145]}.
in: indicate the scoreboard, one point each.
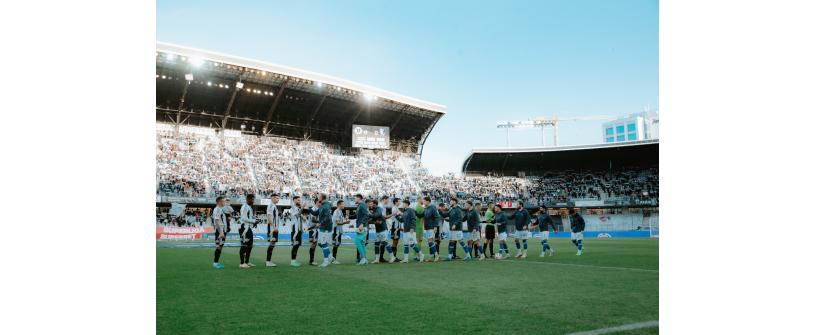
{"type": "Point", "coordinates": [370, 137]}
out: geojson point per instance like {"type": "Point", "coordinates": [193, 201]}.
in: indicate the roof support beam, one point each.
{"type": "Point", "coordinates": [314, 113]}
{"type": "Point", "coordinates": [272, 109]}
{"type": "Point", "coordinates": [504, 164]}
{"type": "Point", "coordinates": [181, 104]}
{"type": "Point", "coordinates": [356, 115]}
{"type": "Point", "coordinates": [231, 101]}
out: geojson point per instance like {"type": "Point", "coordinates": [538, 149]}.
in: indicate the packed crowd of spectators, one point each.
{"type": "Point", "coordinates": [214, 165]}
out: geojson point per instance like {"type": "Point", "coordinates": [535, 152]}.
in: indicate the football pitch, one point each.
{"type": "Point", "coordinates": [615, 282]}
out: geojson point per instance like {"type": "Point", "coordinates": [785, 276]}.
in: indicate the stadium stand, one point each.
{"type": "Point", "coordinates": [210, 165]}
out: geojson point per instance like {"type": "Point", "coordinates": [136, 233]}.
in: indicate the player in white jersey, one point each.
{"type": "Point", "coordinates": [297, 217]}
{"type": "Point", "coordinates": [272, 217]}
{"type": "Point", "coordinates": [395, 226]}
{"type": "Point", "coordinates": [219, 221]}
{"type": "Point", "coordinates": [248, 222]}
{"type": "Point", "coordinates": [339, 219]}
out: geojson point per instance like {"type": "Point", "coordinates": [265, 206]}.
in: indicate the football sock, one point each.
{"type": "Point", "coordinates": [416, 248]}
{"type": "Point", "coordinates": [248, 253]}
{"type": "Point", "coordinates": [376, 249]}
{"type": "Point", "coordinates": [454, 248]}
{"type": "Point", "coordinates": [311, 253]}
{"type": "Point", "coordinates": [217, 255]}
{"type": "Point", "coordinates": [545, 245]}
{"type": "Point", "coordinates": [465, 247]}
{"type": "Point", "coordinates": [269, 253]}
{"type": "Point", "coordinates": [574, 242]}
{"type": "Point", "coordinates": [450, 247]}
{"type": "Point", "coordinates": [525, 245]}
{"type": "Point", "coordinates": [579, 244]}
{"type": "Point", "coordinates": [518, 244]}
{"type": "Point", "coordinates": [241, 253]}
{"type": "Point", "coordinates": [294, 250]}
{"type": "Point", "coordinates": [326, 251]}
{"type": "Point", "coordinates": [407, 249]}
{"type": "Point", "coordinates": [334, 251]}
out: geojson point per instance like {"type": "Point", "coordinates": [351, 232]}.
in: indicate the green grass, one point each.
{"type": "Point", "coordinates": [614, 283]}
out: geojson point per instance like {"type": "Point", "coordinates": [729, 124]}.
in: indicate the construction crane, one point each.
{"type": "Point", "coordinates": [543, 122]}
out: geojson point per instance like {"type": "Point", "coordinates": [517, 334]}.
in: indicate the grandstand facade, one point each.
{"type": "Point", "coordinates": [207, 89]}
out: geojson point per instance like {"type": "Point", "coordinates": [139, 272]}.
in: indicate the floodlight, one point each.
{"type": "Point", "coordinates": [196, 61]}
{"type": "Point", "coordinates": [243, 126]}
{"type": "Point", "coordinates": [170, 57]}
{"type": "Point", "coordinates": [369, 97]}
{"type": "Point", "coordinates": [239, 85]}
{"type": "Point", "coordinates": [188, 76]}
{"type": "Point", "coordinates": [163, 77]}
{"type": "Point", "coordinates": [319, 84]}
{"type": "Point", "coordinates": [209, 83]}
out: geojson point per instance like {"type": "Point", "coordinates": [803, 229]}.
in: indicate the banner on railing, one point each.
{"type": "Point", "coordinates": [182, 233]}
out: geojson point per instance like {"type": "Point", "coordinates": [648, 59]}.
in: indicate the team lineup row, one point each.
{"type": "Point", "coordinates": [401, 223]}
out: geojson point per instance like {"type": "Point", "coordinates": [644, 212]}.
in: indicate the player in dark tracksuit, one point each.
{"type": "Point", "coordinates": [408, 221]}
{"type": "Point", "coordinates": [361, 239]}
{"type": "Point", "coordinates": [544, 223]}
{"type": "Point", "coordinates": [501, 225]}
{"type": "Point", "coordinates": [578, 225]}
{"type": "Point", "coordinates": [474, 228]}
{"type": "Point", "coordinates": [521, 217]}
{"type": "Point", "coordinates": [456, 217]}
{"type": "Point", "coordinates": [431, 227]}
{"type": "Point", "coordinates": [381, 241]}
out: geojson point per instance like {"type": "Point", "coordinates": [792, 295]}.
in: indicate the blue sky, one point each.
{"type": "Point", "coordinates": [488, 61]}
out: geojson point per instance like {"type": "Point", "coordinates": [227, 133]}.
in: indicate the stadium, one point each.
{"type": "Point", "coordinates": [228, 126]}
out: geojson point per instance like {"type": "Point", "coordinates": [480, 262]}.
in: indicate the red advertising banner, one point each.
{"type": "Point", "coordinates": [181, 233]}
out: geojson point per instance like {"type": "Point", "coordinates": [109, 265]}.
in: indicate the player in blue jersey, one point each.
{"type": "Point", "coordinates": [544, 223]}
{"type": "Point", "coordinates": [456, 217]}
{"type": "Point", "coordinates": [325, 227]}
{"type": "Point", "coordinates": [501, 225]}
{"type": "Point", "coordinates": [521, 217]}
{"type": "Point", "coordinates": [407, 219]}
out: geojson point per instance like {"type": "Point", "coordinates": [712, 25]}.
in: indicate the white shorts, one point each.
{"type": "Point", "coordinates": [410, 238]}
{"type": "Point", "coordinates": [429, 233]}
{"type": "Point", "coordinates": [577, 236]}
{"type": "Point", "coordinates": [324, 237]}
{"type": "Point", "coordinates": [544, 235]}
{"type": "Point", "coordinates": [522, 234]}
{"type": "Point", "coordinates": [382, 236]}
{"type": "Point", "coordinates": [502, 236]}
{"type": "Point", "coordinates": [456, 235]}
{"type": "Point", "coordinates": [474, 236]}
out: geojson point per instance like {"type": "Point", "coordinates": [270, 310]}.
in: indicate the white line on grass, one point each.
{"type": "Point", "coordinates": [583, 265]}
{"type": "Point", "coordinates": [630, 326]}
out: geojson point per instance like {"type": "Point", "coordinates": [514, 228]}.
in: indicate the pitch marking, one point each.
{"type": "Point", "coordinates": [584, 265]}
{"type": "Point", "coordinates": [630, 326]}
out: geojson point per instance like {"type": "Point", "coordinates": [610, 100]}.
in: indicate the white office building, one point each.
{"type": "Point", "coordinates": [635, 127]}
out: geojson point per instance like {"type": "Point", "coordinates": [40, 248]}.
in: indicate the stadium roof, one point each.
{"type": "Point", "coordinates": [537, 161]}
{"type": "Point", "coordinates": [279, 100]}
